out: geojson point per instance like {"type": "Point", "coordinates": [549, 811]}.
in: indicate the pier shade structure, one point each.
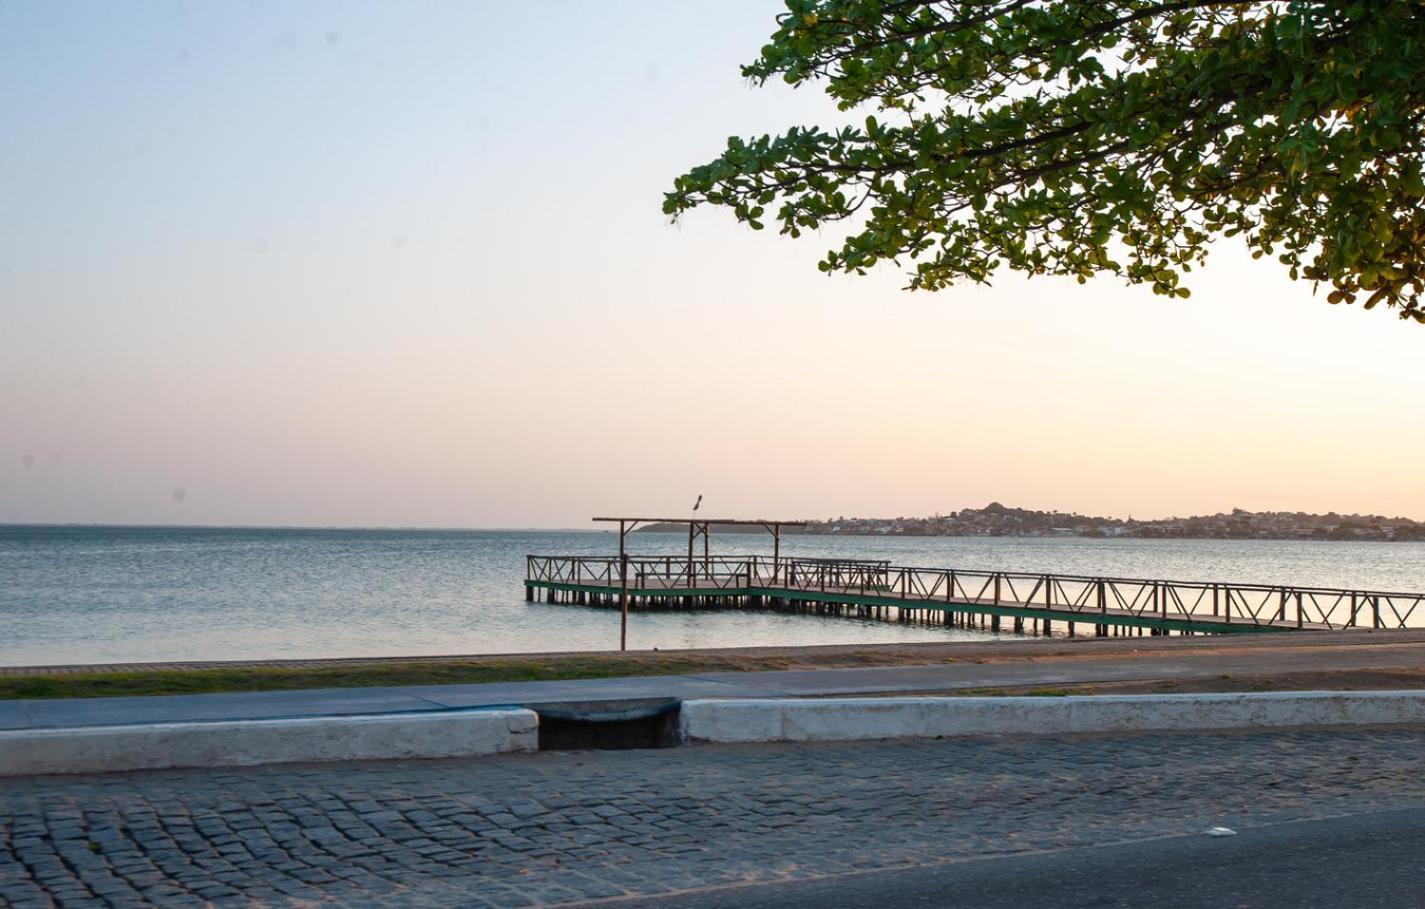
{"type": "Point", "coordinates": [1024, 603]}
{"type": "Point", "coordinates": [697, 528]}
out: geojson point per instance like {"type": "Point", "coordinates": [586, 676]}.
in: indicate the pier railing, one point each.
{"type": "Point", "coordinates": [1227, 603]}
{"type": "Point", "coordinates": [710, 572]}
{"type": "Point", "coordinates": [1065, 596]}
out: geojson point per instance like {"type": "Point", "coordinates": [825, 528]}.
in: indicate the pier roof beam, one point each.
{"type": "Point", "coordinates": [703, 527]}
{"type": "Point", "coordinates": [754, 522]}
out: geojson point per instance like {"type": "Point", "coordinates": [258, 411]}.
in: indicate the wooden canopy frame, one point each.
{"type": "Point", "coordinates": [697, 527]}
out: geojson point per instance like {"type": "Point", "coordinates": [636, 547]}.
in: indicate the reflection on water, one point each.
{"type": "Point", "coordinates": [116, 594]}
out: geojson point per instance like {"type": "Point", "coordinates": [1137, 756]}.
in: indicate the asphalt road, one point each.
{"type": "Point", "coordinates": [1364, 861]}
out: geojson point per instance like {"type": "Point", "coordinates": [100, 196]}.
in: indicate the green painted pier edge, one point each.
{"type": "Point", "coordinates": [992, 601]}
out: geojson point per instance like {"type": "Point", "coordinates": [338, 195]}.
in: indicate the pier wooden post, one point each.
{"type": "Point", "coordinates": [1049, 604]}
{"type": "Point", "coordinates": [776, 551]}
{"type": "Point", "coordinates": [623, 585]}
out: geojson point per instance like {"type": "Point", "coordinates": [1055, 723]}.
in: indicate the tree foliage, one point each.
{"type": "Point", "coordinates": [1073, 137]}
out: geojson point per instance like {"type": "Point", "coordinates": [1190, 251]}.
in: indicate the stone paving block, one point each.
{"type": "Point", "coordinates": [554, 829]}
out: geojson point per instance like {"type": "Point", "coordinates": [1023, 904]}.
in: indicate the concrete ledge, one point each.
{"type": "Point", "coordinates": [839, 719]}
{"type": "Point", "coordinates": [102, 749]}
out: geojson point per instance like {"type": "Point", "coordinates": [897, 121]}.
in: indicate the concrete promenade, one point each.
{"type": "Point", "coordinates": [1338, 657]}
{"type": "Point", "coordinates": [734, 825]}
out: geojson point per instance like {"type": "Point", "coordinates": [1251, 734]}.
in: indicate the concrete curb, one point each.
{"type": "Point", "coordinates": [844, 719]}
{"type": "Point", "coordinates": [104, 749]}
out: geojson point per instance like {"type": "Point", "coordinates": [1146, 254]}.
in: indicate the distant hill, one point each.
{"type": "Point", "coordinates": [996, 519]}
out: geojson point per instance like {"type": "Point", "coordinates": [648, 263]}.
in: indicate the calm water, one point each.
{"type": "Point", "coordinates": [70, 595]}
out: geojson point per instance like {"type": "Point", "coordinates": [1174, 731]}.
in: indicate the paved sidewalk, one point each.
{"type": "Point", "coordinates": [976, 666]}
{"type": "Point", "coordinates": [565, 828]}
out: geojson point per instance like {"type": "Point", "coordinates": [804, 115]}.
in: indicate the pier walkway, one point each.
{"type": "Point", "coordinates": [989, 600]}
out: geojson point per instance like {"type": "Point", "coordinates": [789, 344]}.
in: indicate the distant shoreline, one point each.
{"type": "Point", "coordinates": [717, 531]}
{"type": "Point", "coordinates": [1156, 539]}
{"type": "Point", "coordinates": [788, 532]}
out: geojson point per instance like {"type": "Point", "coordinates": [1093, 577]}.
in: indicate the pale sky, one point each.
{"type": "Point", "coordinates": [404, 264]}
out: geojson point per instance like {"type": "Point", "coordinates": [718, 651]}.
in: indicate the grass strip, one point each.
{"type": "Point", "coordinates": [601, 666]}
{"type": "Point", "coordinates": [263, 678]}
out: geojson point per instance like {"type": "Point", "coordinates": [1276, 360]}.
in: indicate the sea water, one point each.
{"type": "Point", "coordinates": [119, 594]}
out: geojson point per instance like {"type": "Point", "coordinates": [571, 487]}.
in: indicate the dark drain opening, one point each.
{"type": "Point", "coordinates": [608, 725]}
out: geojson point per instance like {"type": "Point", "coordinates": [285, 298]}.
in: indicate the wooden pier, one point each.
{"type": "Point", "coordinates": [994, 601]}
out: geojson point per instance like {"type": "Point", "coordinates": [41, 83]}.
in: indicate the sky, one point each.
{"type": "Point", "coordinates": [404, 264]}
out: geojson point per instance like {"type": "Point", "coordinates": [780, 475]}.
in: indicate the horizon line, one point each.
{"type": "Point", "coordinates": [533, 529]}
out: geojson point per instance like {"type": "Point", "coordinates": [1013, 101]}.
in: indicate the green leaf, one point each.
{"type": "Point", "coordinates": [1002, 139]}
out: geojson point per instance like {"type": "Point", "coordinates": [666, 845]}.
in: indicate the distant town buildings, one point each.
{"type": "Point", "coordinates": [996, 520]}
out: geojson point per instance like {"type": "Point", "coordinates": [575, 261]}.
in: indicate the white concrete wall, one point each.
{"type": "Point", "coordinates": [832, 719]}
{"type": "Point", "coordinates": [100, 749]}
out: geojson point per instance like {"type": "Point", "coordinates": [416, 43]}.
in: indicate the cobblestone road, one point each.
{"type": "Point", "coordinates": [553, 828]}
